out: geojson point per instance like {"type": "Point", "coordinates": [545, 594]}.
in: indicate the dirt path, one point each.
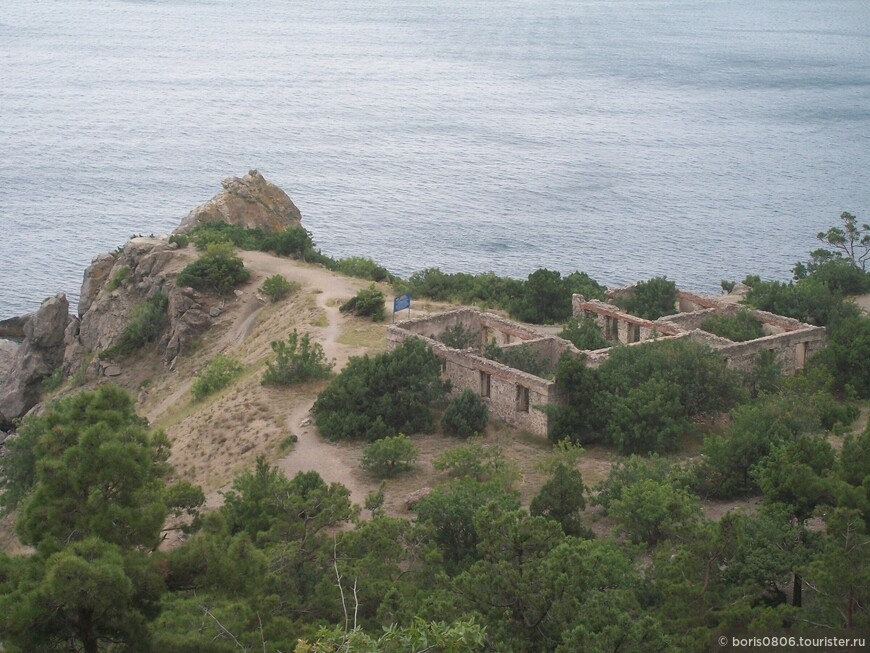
{"type": "Point", "coordinates": [310, 452]}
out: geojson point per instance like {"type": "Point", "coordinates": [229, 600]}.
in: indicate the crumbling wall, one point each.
{"type": "Point", "coordinates": [618, 326]}
{"type": "Point", "coordinates": [436, 325]}
{"type": "Point", "coordinates": [503, 389]}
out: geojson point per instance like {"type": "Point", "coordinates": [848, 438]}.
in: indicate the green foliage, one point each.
{"type": "Point", "coordinates": [798, 474]}
{"type": "Point", "coordinates": [478, 462]}
{"type": "Point", "coordinates": [269, 507]}
{"type": "Point", "coordinates": [740, 327]}
{"type": "Point", "coordinates": [53, 381]}
{"type": "Point", "coordinates": [727, 286]}
{"type": "Point", "coordinates": [87, 468]}
{"type": "Point", "coordinates": [451, 510]}
{"type": "Point", "coordinates": [545, 297]}
{"type": "Point", "coordinates": [389, 456]}
{"type": "Point", "coordinates": [651, 299]}
{"type": "Point", "coordinates": [466, 415]}
{"type": "Point", "coordinates": [584, 333]}
{"type": "Point", "coordinates": [377, 396]}
{"type": "Point", "coordinates": [218, 270]}
{"type": "Point", "coordinates": [847, 354]}
{"type": "Point", "coordinates": [147, 322]}
{"type": "Point", "coordinates": [88, 597]}
{"type": "Point", "coordinates": [119, 278]}
{"type": "Point", "coordinates": [627, 473]}
{"type": "Point", "coordinates": [179, 239]}
{"type": "Point", "coordinates": [458, 337]}
{"type": "Point", "coordinates": [649, 511]}
{"type": "Point", "coordinates": [296, 360]}
{"type": "Point", "coordinates": [292, 241]}
{"type": "Point", "coordinates": [852, 240]}
{"type": "Point", "coordinates": [218, 373]}
{"type": "Point", "coordinates": [421, 635]}
{"type": "Point", "coordinates": [642, 398]}
{"type": "Point", "coordinates": [362, 268]}
{"type": "Point", "coordinates": [561, 499]}
{"type": "Point", "coordinates": [277, 287]}
{"type": "Point", "coordinates": [726, 470]}
{"type": "Point", "coordinates": [368, 302]}
{"type": "Point", "coordinates": [520, 357]}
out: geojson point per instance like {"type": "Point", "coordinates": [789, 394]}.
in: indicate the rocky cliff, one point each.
{"type": "Point", "coordinates": [250, 201]}
{"type": "Point", "coordinates": [114, 286]}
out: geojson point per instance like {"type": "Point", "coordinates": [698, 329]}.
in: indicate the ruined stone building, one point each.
{"type": "Point", "coordinates": [519, 398]}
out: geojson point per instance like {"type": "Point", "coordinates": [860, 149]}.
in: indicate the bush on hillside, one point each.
{"type": "Point", "coordinates": [390, 456]}
{"type": "Point", "coordinates": [362, 268]}
{"type": "Point", "coordinates": [584, 333]}
{"type": "Point", "coordinates": [378, 396]}
{"type": "Point", "coordinates": [642, 399]}
{"type": "Point", "coordinates": [740, 327]}
{"type": "Point", "coordinates": [466, 415]}
{"type": "Point", "coordinates": [651, 299]}
{"type": "Point", "coordinates": [277, 287]}
{"type": "Point", "coordinates": [216, 375]}
{"type": "Point", "coordinates": [147, 322]}
{"type": "Point", "coordinates": [296, 360]}
{"type": "Point", "coordinates": [368, 302]}
{"type": "Point", "coordinates": [218, 270]}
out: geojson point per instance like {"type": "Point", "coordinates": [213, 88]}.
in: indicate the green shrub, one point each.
{"type": "Point", "coordinates": [53, 381]}
{"type": "Point", "coordinates": [218, 270]}
{"type": "Point", "coordinates": [119, 278]}
{"type": "Point", "coordinates": [378, 396]}
{"type": "Point", "coordinates": [649, 511]}
{"type": "Point", "coordinates": [296, 360]}
{"type": "Point", "coordinates": [520, 357]}
{"type": "Point", "coordinates": [458, 337]}
{"type": "Point", "coordinates": [277, 287]}
{"type": "Point", "coordinates": [740, 327]}
{"type": "Point", "coordinates": [651, 299]}
{"type": "Point", "coordinates": [479, 462]}
{"type": "Point", "coordinates": [389, 456]}
{"type": "Point", "coordinates": [642, 398]}
{"type": "Point", "coordinates": [292, 241]}
{"type": "Point", "coordinates": [727, 286]}
{"type": "Point", "coordinates": [216, 375]}
{"type": "Point", "coordinates": [627, 473]}
{"type": "Point", "coordinates": [584, 333]}
{"type": "Point", "coordinates": [368, 302]}
{"type": "Point", "coordinates": [179, 239]}
{"type": "Point", "coordinates": [546, 296]}
{"type": "Point", "coordinates": [466, 415]}
{"type": "Point", "coordinates": [362, 268]}
{"type": "Point", "coordinates": [147, 322]}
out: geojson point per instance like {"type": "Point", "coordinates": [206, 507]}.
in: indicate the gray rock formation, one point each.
{"type": "Point", "coordinates": [13, 327]}
{"type": "Point", "coordinates": [250, 201]}
{"type": "Point", "coordinates": [39, 354]}
{"type": "Point", "coordinates": [96, 275]}
{"type": "Point", "coordinates": [153, 265]}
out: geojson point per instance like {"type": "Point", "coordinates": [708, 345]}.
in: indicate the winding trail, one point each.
{"type": "Point", "coordinates": [311, 452]}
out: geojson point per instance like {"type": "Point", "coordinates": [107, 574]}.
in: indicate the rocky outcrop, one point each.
{"type": "Point", "coordinates": [250, 201]}
{"type": "Point", "coordinates": [96, 275]}
{"type": "Point", "coordinates": [13, 327]}
{"type": "Point", "coordinates": [39, 354]}
{"type": "Point", "coordinates": [152, 267]}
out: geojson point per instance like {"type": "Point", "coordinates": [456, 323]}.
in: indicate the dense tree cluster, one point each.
{"type": "Point", "coordinates": [642, 398]}
{"type": "Point", "coordinates": [378, 396]}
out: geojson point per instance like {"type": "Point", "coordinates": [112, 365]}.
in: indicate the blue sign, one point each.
{"type": "Point", "coordinates": [402, 302]}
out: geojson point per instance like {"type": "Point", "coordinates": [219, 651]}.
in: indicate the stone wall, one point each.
{"type": "Point", "coordinates": [513, 396]}
{"type": "Point", "coordinates": [791, 341]}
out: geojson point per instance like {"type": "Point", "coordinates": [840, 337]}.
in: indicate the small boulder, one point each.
{"type": "Point", "coordinates": [414, 498]}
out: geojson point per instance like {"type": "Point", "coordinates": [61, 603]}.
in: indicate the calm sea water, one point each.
{"type": "Point", "coordinates": [693, 138]}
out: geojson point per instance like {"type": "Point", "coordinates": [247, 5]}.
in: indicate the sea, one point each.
{"type": "Point", "coordinates": [697, 139]}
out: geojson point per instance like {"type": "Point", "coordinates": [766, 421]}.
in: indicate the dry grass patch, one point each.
{"type": "Point", "coordinates": [359, 333]}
